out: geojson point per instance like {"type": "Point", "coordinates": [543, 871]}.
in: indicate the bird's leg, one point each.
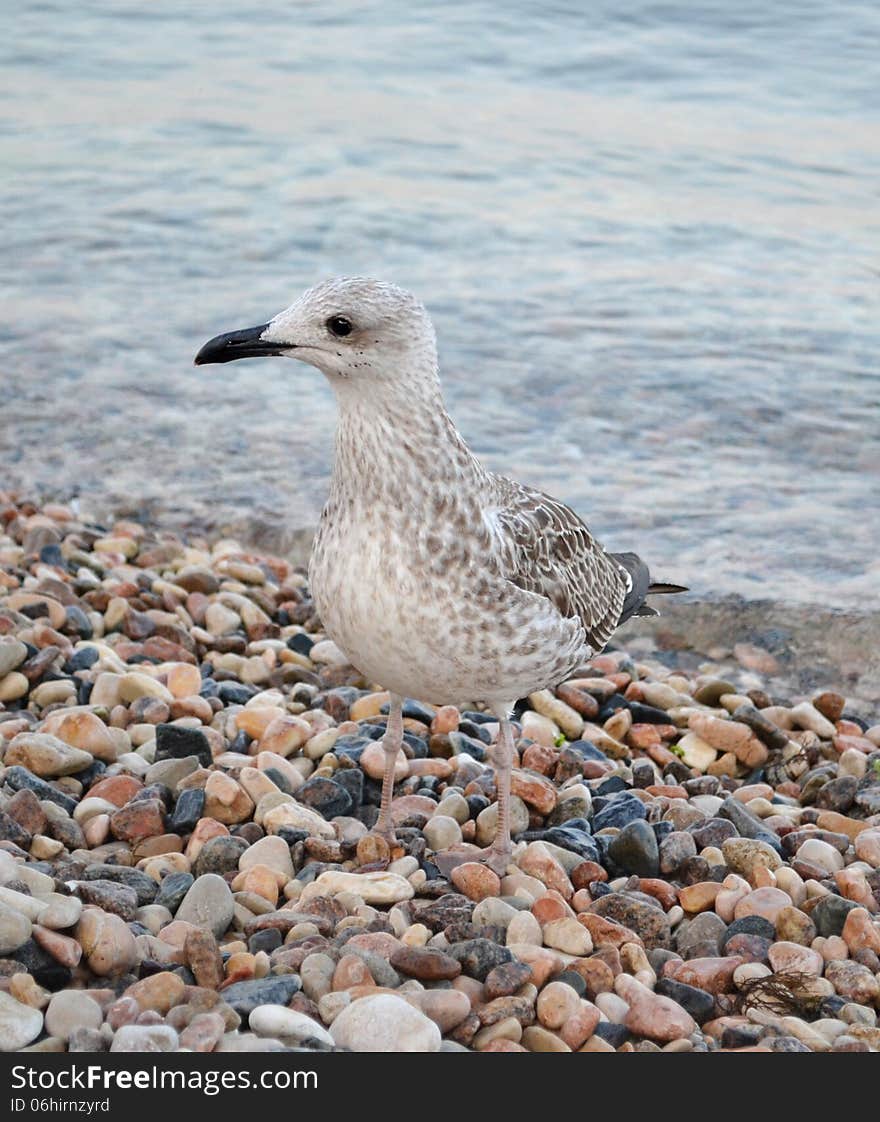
{"type": "Point", "coordinates": [497, 856]}
{"type": "Point", "coordinates": [391, 742]}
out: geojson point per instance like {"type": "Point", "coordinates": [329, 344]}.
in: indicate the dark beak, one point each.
{"type": "Point", "coordinates": [238, 344]}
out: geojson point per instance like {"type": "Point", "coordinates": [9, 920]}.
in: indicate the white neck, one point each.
{"type": "Point", "coordinates": [394, 433]}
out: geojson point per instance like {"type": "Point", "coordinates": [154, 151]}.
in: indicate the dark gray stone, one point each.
{"type": "Point", "coordinates": [838, 794]}
{"type": "Point", "coordinates": [829, 915]}
{"type": "Point", "coordinates": [12, 831]}
{"type": "Point", "coordinates": [172, 890]}
{"type": "Point", "coordinates": [277, 989]}
{"type": "Point", "coordinates": [19, 779]}
{"type": "Point", "coordinates": [325, 796]}
{"type": "Point", "coordinates": [173, 742]}
{"type": "Point", "coordinates": [635, 850]}
{"type": "Point", "coordinates": [479, 956]}
{"type": "Point", "coordinates": [120, 899]}
{"type": "Point", "coordinates": [219, 855]}
{"type": "Point", "coordinates": [188, 809]}
{"type": "Point", "coordinates": [619, 812]}
{"type": "Point", "coordinates": [704, 933]}
{"type": "Point", "coordinates": [713, 831]}
{"type": "Point", "coordinates": [748, 925]}
{"type": "Point", "coordinates": [746, 824]}
{"type": "Point", "coordinates": [574, 836]}
{"type": "Point", "coordinates": [145, 887]}
{"type": "Point", "coordinates": [698, 1003]}
{"type": "Point", "coordinates": [676, 848]}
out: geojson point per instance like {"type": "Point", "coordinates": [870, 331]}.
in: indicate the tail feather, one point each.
{"type": "Point", "coordinates": [658, 587]}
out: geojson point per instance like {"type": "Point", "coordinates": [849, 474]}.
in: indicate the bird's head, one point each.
{"type": "Point", "coordinates": [353, 329]}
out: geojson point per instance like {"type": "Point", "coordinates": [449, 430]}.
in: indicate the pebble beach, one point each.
{"type": "Point", "coordinates": [189, 771]}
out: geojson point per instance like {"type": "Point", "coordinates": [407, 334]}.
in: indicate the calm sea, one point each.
{"type": "Point", "coordinates": [649, 235]}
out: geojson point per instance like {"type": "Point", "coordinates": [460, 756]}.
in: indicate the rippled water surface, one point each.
{"type": "Point", "coordinates": [648, 234]}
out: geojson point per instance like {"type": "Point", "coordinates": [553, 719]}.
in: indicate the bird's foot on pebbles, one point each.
{"type": "Point", "coordinates": [386, 833]}
{"type": "Point", "coordinates": [494, 857]}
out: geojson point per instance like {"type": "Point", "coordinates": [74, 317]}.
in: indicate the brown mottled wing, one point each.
{"type": "Point", "coordinates": [545, 548]}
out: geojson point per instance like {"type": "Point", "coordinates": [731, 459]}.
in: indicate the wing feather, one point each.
{"type": "Point", "coordinates": [545, 548]}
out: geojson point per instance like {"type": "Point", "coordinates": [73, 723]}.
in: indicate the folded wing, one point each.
{"type": "Point", "coordinates": [543, 547]}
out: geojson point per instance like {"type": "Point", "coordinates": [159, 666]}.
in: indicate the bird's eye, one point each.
{"type": "Point", "coordinates": [339, 326]}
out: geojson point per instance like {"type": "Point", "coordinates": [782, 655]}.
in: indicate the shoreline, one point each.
{"type": "Point", "coordinates": [813, 645]}
{"type": "Point", "coordinates": [809, 648]}
{"type": "Point", "coordinates": [189, 773]}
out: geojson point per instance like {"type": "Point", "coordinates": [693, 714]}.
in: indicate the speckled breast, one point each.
{"type": "Point", "coordinates": [426, 629]}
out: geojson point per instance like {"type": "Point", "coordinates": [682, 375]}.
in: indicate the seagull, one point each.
{"type": "Point", "coordinates": [438, 579]}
